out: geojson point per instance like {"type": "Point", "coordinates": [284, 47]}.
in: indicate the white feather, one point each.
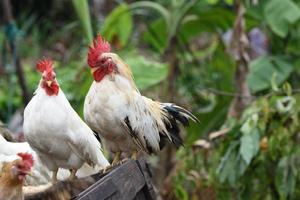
{"type": "Point", "coordinates": [106, 106]}
{"type": "Point", "coordinates": [40, 173]}
{"type": "Point", "coordinates": [58, 135]}
{"type": "Point", "coordinates": [124, 118]}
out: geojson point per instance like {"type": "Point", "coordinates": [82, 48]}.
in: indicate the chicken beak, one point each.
{"type": "Point", "coordinates": [93, 70]}
{"type": "Point", "coordinates": [29, 174]}
{"type": "Point", "coordinates": [49, 83]}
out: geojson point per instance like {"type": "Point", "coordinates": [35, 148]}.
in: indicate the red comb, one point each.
{"type": "Point", "coordinates": [44, 64]}
{"type": "Point", "coordinates": [98, 47]}
{"type": "Point", "coordinates": [27, 159]}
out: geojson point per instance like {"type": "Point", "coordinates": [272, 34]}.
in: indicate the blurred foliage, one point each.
{"type": "Point", "coordinates": [276, 70]}
{"type": "Point", "coordinates": [258, 157]}
{"type": "Point", "coordinates": [82, 10]}
{"type": "Point", "coordinates": [118, 25]}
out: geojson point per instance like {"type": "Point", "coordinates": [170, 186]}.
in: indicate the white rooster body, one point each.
{"type": "Point", "coordinates": [115, 109]}
{"type": "Point", "coordinates": [59, 136]}
{"type": "Point", "coordinates": [107, 113]}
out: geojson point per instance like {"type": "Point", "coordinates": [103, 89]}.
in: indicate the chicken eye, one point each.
{"type": "Point", "coordinates": [18, 166]}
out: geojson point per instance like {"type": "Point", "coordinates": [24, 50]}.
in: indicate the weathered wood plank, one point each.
{"type": "Point", "coordinates": [149, 188]}
{"type": "Point", "coordinates": [128, 180]}
{"type": "Point", "coordinates": [99, 191]}
{"type": "Point", "coordinates": [132, 180]}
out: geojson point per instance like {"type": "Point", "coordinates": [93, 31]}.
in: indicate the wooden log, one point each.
{"type": "Point", "coordinates": [132, 180]}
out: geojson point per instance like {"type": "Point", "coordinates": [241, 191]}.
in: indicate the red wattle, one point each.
{"type": "Point", "coordinates": [99, 74]}
{"type": "Point", "coordinates": [52, 90]}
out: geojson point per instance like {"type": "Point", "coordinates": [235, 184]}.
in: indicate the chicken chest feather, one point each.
{"type": "Point", "coordinates": [105, 108]}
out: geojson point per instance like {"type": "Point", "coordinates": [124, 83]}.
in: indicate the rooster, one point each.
{"type": "Point", "coordinates": [12, 177]}
{"type": "Point", "coordinates": [126, 120]}
{"type": "Point", "coordinates": [55, 131]}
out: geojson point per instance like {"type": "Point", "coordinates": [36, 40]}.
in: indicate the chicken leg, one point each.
{"type": "Point", "coordinates": [54, 176]}
{"type": "Point", "coordinates": [134, 155]}
{"type": "Point", "coordinates": [73, 174]}
{"type": "Point", "coordinates": [116, 158]}
{"type": "Point", "coordinates": [115, 162]}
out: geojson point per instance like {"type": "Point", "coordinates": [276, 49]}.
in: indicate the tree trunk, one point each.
{"type": "Point", "coordinates": [238, 49]}
{"type": "Point", "coordinates": [8, 19]}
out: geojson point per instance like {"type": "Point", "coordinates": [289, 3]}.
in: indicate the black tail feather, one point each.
{"type": "Point", "coordinates": [175, 114]}
{"type": "Point", "coordinates": [186, 112]}
{"type": "Point", "coordinates": [173, 131]}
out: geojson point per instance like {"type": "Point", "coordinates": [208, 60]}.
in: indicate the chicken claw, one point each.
{"type": "Point", "coordinates": [73, 174]}
{"type": "Point", "coordinates": [116, 158]}
{"type": "Point", "coordinates": [54, 176]}
{"type": "Point", "coordinates": [134, 155]}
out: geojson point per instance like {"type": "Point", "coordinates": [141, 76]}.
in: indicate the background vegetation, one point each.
{"type": "Point", "coordinates": [235, 64]}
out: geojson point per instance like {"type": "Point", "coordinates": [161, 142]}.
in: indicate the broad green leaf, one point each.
{"type": "Point", "coordinates": [226, 169]}
{"type": "Point", "coordinates": [82, 10]}
{"type": "Point", "coordinates": [181, 193]}
{"type": "Point", "coordinates": [157, 35]}
{"type": "Point", "coordinates": [200, 21]}
{"type": "Point", "coordinates": [262, 70]}
{"type": "Point", "coordinates": [249, 124]}
{"type": "Point", "coordinates": [286, 176]}
{"type": "Point", "coordinates": [280, 14]}
{"type": "Point", "coordinates": [249, 145]}
{"type": "Point", "coordinates": [146, 72]}
{"type": "Point", "coordinates": [154, 6]}
{"type": "Point", "coordinates": [118, 24]}
{"type": "Point", "coordinates": [242, 165]}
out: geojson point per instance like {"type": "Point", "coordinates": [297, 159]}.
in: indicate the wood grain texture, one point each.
{"type": "Point", "coordinates": [131, 180]}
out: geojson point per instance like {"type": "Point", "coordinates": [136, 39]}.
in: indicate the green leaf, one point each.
{"type": "Point", "coordinates": [200, 21]}
{"type": "Point", "coordinates": [181, 193]}
{"type": "Point", "coordinates": [155, 6]}
{"type": "Point", "coordinates": [262, 70]}
{"type": "Point", "coordinates": [250, 123]}
{"type": "Point", "coordinates": [242, 165]}
{"type": "Point", "coordinates": [82, 10]}
{"type": "Point", "coordinates": [118, 24]}
{"type": "Point", "coordinates": [146, 72]}
{"type": "Point", "coordinates": [249, 145]}
{"type": "Point", "coordinates": [157, 35]}
{"type": "Point", "coordinates": [280, 14]}
{"type": "Point", "coordinates": [226, 169]}
{"type": "Point", "coordinates": [286, 176]}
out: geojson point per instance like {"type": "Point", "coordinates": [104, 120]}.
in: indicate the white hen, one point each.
{"type": "Point", "coordinates": [40, 173]}
{"type": "Point", "coordinates": [55, 131]}
{"type": "Point", "coordinates": [8, 153]}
